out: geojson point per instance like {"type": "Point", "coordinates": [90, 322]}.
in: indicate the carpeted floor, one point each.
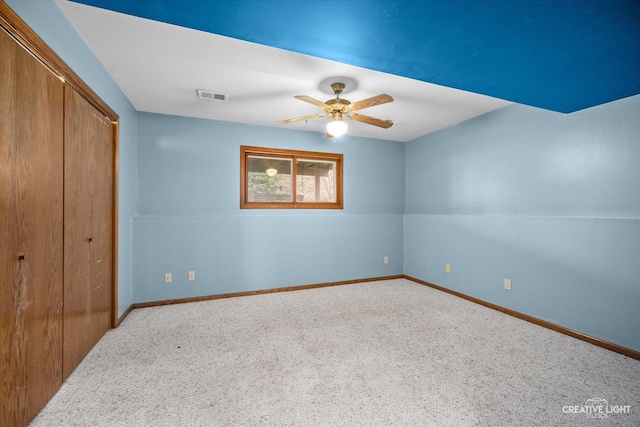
{"type": "Point", "coordinates": [387, 353]}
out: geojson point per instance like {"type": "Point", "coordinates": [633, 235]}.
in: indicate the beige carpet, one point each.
{"type": "Point", "coordinates": [388, 353]}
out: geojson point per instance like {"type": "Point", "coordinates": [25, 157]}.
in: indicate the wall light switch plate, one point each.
{"type": "Point", "coordinates": [447, 268]}
{"type": "Point", "coordinates": [507, 284]}
{"type": "Point", "coordinates": [192, 275]}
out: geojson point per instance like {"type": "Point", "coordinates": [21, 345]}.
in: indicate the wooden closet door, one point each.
{"type": "Point", "coordinates": [88, 222]}
{"type": "Point", "coordinates": [31, 233]}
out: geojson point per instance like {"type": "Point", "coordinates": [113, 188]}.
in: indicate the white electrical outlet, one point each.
{"type": "Point", "coordinates": [192, 275]}
{"type": "Point", "coordinates": [507, 284]}
{"type": "Point", "coordinates": [447, 268]}
{"type": "Point", "coordinates": [386, 260]}
{"type": "Point", "coordinates": [167, 277]}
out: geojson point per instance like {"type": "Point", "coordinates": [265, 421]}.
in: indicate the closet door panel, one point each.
{"type": "Point", "coordinates": [103, 225]}
{"type": "Point", "coordinates": [88, 222]}
{"type": "Point", "coordinates": [31, 230]}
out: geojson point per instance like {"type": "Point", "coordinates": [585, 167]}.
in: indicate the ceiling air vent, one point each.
{"type": "Point", "coordinates": [212, 96]}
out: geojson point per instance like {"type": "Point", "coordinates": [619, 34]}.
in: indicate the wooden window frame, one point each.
{"type": "Point", "coordinates": [294, 155]}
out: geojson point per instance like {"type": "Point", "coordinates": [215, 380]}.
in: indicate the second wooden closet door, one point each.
{"type": "Point", "coordinates": [88, 227]}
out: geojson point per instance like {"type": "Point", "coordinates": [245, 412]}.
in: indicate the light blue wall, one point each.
{"type": "Point", "coordinates": [190, 216]}
{"type": "Point", "coordinates": [48, 21]}
{"type": "Point", "coordinates": [550, 201]}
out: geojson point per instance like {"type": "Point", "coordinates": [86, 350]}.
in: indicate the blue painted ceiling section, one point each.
{"type": "Point", "coordinates": [561, 55]}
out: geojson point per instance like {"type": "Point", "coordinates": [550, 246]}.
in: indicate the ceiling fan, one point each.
{"type": "Point", "coordinates": [338, 108]}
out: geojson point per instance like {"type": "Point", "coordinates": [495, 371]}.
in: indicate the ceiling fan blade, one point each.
{"type": "Point", "coordinates": [371, 102]}
{"type": "Point", "coordinates": [311, 100]}
{"type": "Point", "coordinates": [372, 121]}
{"type": "Point", "coordinates": [298, 119]}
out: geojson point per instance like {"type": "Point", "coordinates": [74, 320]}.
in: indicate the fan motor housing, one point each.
{"type": "Point", "coordinates": [338, 104]}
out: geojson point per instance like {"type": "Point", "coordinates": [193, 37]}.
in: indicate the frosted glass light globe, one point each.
{"type": "Point", "coordinates": [336, 127]}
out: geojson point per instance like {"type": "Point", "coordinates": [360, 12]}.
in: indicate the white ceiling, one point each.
{"type": "Point", "coordinates": [160, 66]}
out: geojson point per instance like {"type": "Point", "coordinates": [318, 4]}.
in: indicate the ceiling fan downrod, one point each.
{"type": "Point", "coordinates": [337, 88]}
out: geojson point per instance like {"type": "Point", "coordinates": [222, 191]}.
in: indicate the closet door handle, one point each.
{"type": "Point", "coordinates": [89, 239]}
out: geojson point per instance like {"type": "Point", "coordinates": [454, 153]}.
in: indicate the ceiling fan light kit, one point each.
{"type": "Point", "coordinates": [338, 108]}
{"type": "Point", "coordinates": [337, 127]}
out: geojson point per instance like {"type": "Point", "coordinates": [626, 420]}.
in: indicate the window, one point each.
{"type": "Point", "coordinates": [289, 179]}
